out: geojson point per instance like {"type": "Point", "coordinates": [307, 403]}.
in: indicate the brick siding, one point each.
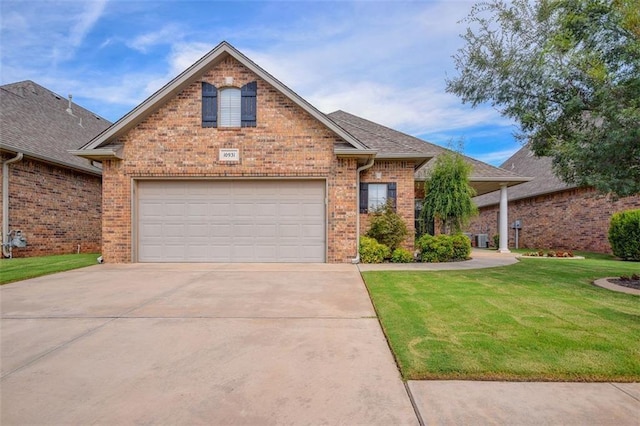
{"type": "Point", "coordinates": [576, 219]}
{"type": "Point", "coordinates": [287, 142]}
{"type": "Point", "coordinates": [400, 172]}
{"type": "Point", "coordinates": [57, 209]}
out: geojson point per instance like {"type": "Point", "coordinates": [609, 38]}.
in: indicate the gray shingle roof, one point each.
{"type": "Point", "coordinates": [525, 163]}
{"type": "Point", "coordinates": [35, 121]}
{"type": "Point", "coordinates": [381, 138]}
{"type": "Point", "coordinates": [484, 177]}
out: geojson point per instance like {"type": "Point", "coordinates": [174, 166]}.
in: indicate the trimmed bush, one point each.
{"type": "Point", "coordinates": [624, 235]}
{"type": "Point", "coordinates": [461, 247]}
{"type": "Point", "coordinates": [401, 255]}
{"type": "Point", "coordinates": [371, 251]}
{"type": "Point", "coordinates": [387, 227]}
{"type": "Point", "coordinates": [444, 248]}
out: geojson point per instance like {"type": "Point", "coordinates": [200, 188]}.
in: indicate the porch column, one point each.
{"type": "Point", "coordinates": [504, 221]}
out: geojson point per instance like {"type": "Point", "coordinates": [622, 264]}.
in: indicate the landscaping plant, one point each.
{"type": "Point", "coordinates": [624, 235]}
{"type": "Point", "coordinates": [387, 227]}
{"type": "Point", "coordinates": [443, 248]}
{"type": "Point", "coordinates": [448, 194]}
{"type": "Point", "coordinates": [401, 255]}
{"type": "Point", "coordinates": [371, 251]}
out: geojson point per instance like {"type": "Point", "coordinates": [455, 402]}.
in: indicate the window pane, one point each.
{"type": "Point", "coordinates": [377, 195]}
{"type": "Point", "coordinates": [230, 107]}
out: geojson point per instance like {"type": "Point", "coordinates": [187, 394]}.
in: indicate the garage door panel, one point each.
{"type": "Point", "coordinates": [231, 221]}
{"type": "Point", "coordinates": [313, 231]}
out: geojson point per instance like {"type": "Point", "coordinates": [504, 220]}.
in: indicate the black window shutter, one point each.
{"type": "Point", "coordinates": [209, 105]}
{"type": "Point", "coordinates": [248, 104]}
{"type": "Point", "coordinates": [391, 193]}
{"type": "Point", "coordinates": [364, 197]}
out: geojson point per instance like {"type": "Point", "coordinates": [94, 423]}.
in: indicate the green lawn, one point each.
{"type": "Point", "coordinates": [539, 319]}
{"type": "Point", "coordinates": [20, 269]}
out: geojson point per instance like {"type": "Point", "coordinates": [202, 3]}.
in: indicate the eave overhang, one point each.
{"type": "Point", "coordinates": [192, 74]}
{"type": "Point", "coordinates": [99, 154]}
{"type": "Point", "coordinates": [29, 154]}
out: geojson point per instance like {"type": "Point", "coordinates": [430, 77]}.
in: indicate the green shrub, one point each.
{"type": "Point", "coordinates": [496, 240]}
{"type": "Point", "coordinates": [461, 247]}
{"type": "Point", "coordinates": [624, 235]}
{"type": "Point", "coordinates": [387, 227]}
{"type": "Point", "coordinates": [372, 251]}
{"type": "Point", "coordinates": [444, 248]}
{"type": "Point", "coordinates": [401, 255]}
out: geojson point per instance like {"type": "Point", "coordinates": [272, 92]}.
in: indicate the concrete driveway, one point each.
{"type": "Point", "coordinates": [197, 344]}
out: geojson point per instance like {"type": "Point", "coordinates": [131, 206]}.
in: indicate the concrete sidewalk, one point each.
{"type": "Point", "coordinates": [526, 403]}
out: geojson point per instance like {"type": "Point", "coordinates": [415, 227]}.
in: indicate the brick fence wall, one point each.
{"type": "Point", "coordinates": [57, 209]}
{"type": "Point", "coordinates": [575, 219]}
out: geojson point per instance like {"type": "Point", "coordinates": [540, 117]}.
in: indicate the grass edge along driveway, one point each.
{"type": "Point", "coordinates": [18, 269]}
{"type": "Point", "coordinates": [537, 320]}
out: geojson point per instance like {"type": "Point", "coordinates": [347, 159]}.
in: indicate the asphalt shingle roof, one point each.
{"type": "Point", "coordinates": [389, 141]}
{"type": "Point", "coordinates": [35, 121]}
{"type": "Point", "coordinates": [525, 163]}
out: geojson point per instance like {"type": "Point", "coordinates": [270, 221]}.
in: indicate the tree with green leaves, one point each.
{"type": "Point", "coordinates": [568, 72]}
{"type": "Point", "coordinates": [448, 194]}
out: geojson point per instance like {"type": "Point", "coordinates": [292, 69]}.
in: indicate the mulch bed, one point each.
{"type": "Point", "coordinates": [631, 283]}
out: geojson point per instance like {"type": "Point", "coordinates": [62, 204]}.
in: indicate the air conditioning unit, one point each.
{"type": "Point", "coordinates": [482, 240]}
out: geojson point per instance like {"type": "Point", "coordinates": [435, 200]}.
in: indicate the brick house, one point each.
{"type": "Point", "coordinates": [51, 196]}
{"type": "Point", "coordinates": [552, 214]}
{"type": "Point", "coordinates": [225, 163]}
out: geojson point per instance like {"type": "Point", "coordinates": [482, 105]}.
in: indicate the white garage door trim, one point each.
{"type": "Point", "coordinates": [230, 220]}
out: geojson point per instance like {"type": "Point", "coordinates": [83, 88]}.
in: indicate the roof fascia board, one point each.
{"type": "Point", "coordinates": [186, 77]}
{"type": "Point", "coordinates": [99, 154]}
{"type": "Point", "coordinates": [32, 155]}
{"type": "Point", "coordinates": [508, 180]}
{"type": "Point", "coordinates": [342, 152]}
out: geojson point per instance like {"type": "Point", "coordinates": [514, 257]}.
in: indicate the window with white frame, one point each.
{"type": "Point", "coordinates": [375, 195]}
{"type": "Point", "coordinates": [230, 107]}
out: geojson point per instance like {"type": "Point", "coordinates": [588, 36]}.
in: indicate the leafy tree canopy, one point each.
{"type": "Point", "coordinates": [568, 71]}
{"type": "Point", "coordinates": [448, 195]}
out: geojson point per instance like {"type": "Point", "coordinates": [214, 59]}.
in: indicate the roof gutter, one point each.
{"type": "Point", "coordinates": [99, 154]}
{"type": "Point", "coordinates": [369, 164]}
{"type": "Point", "coordinates": [5, 202]}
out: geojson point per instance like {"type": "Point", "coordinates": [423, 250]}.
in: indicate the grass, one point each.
{"type": "Point", "coordinates": [12, 270]}
{"type": "Point", "coordinates": [536, 320]}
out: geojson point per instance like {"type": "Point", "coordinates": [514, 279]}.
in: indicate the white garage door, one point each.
{"type": "Point", "coordinates": [231, 221]}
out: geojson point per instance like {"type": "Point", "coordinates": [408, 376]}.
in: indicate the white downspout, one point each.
{"type": "Point", "coordinates": [5, 201]}
{"type": "Point", "coordinates": [356, 259]}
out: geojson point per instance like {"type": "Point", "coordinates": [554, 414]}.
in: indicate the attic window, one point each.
{"type": "Point", "coordinates": [230, 115]}
{"type": "Point", "coordinates": [229, 106]}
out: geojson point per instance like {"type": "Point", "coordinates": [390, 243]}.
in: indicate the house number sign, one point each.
{"type": "Point", "coordinates": [229, 155]}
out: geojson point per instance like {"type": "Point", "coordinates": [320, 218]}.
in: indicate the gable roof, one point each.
{"type": "Point", "coordinates": [191, 74]}
{"type": "Point", "coordinates": [35, 121]}
{"type": "Point", "coordinates": [389, 143]}
{"type": "Point", "coordinates": [524, 162]}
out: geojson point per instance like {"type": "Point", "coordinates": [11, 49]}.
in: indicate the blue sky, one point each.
{"type": "Point", "coordinates": [382, 60]}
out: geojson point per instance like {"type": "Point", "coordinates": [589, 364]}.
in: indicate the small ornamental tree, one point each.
{"type": "Point", "coordinates": [448, 195]}
{"type": "Point", "coordinates": [387, 227]}
{"type": "Point", "coordinates": [624, 235]}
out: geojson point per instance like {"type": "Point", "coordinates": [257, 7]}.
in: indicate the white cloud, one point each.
{"type": "Point", "coordinates": [86, 19]}
{"type": "Point", "coordinates": [168, 34]}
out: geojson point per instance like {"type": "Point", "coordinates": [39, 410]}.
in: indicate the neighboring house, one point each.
{"type": "Point", "coordinates": [52, 197]}
{"type": "Point", "coordinates": [227, 164]}
{"type": "Point", "coordinates": [552, 214]}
